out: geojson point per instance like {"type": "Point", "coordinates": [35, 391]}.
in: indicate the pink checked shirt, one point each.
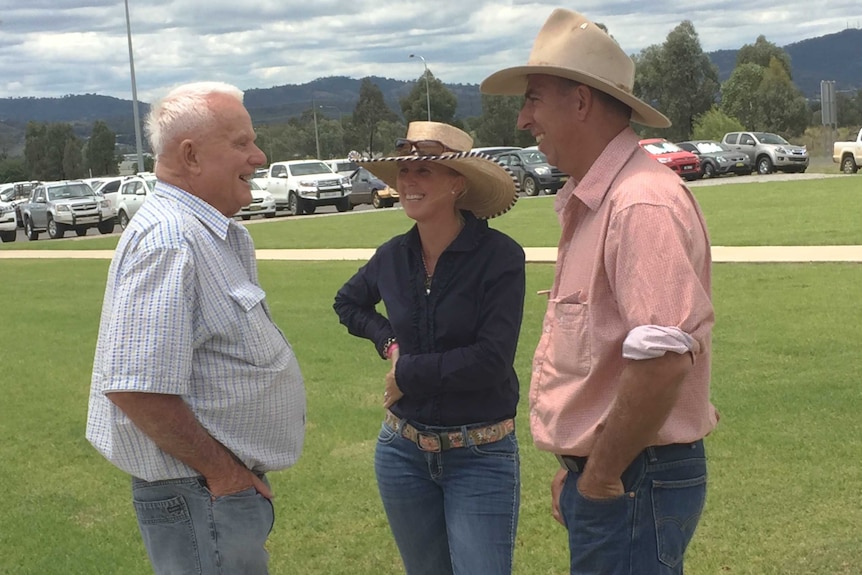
{"type": "Point", "coordinates": [633, 252]}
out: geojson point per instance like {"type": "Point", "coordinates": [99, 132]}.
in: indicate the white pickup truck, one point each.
{"type": "Point", "coordinates": [848, 155]}
{"type": "Point", "coordinates": [303, 185]}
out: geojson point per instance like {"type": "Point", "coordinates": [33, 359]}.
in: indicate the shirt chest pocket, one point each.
{"type": "Point", "coordinates": [570, 336]}
{"type": "Point", "coordinates": [251, 330]}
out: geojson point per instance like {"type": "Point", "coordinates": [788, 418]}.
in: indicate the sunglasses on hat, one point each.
{"type": "Point", "coordinates": [405, 147]}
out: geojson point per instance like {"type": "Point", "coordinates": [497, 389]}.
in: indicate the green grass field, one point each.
{"type": "Point", "coordinates": [804, 212]}
{"type": "Point", "coordinates": [784, 461]}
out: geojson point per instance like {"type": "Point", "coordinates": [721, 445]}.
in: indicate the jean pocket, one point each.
{"type": "Point", "coordinates": [386, 435]}
{"type": "Point", "coordinates": [169, 535]}
{"type": "Point", "coordinates": [505, 448]}
{"type": "Point", "coordinates": [677, 506]}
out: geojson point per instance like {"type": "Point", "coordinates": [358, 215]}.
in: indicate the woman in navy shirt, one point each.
{"type": "Point", "coordinates": [447, 457]}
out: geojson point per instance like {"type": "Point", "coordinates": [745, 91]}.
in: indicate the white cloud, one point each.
{"type": "Point", "coordinates": [58, 47]}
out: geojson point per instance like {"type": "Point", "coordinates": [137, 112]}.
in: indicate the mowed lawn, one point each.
{"type": "Point", "coordinates": [784, 471]}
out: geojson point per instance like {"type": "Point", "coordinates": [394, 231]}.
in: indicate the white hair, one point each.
{"type": "Point", "coordinates": [184, 110]}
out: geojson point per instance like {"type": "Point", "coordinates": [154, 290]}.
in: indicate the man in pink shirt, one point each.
{"type": "Point", "coordinates": [620, 382]}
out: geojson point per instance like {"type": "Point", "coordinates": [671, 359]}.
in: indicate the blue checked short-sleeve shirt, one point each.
{"type": "Point", "coordinates": [184, 315]}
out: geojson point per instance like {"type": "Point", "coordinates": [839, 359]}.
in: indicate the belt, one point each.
{"type": "Point", "coordinates": [444, 440]}
{"type": "Point", "coordinates": [653, 454]}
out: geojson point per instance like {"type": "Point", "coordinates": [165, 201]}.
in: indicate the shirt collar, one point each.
{"type": "Point", "coordinates": [466, 240]}
{"type": "Point", "coordinates": [594, 186]}
{"type": "Point", "coordinates": [217, 222]}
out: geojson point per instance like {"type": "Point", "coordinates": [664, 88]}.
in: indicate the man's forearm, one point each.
{"type": "Point", "coordinates": [649, 389]}
{"type": "Point", "coordinates": [169, 422]}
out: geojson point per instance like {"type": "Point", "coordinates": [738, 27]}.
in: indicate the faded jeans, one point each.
{"type": "Point", "coordinates": [452, 512]}
{"type": "Point", "coordinates": [647, 529]}
{"type": "Point", "coordinates": [186, 532]}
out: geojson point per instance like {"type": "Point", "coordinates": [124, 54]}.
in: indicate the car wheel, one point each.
{"type": "Point", "coordinates": [106, 227]}
{"type": "Point", "coordinates": [764, 166]}
{"type": "Point", "coordinates": [309, 208]}
{"type": "Point", "coordinates": [343, 205]}
{"type": "Point", "coordinates": [269, 215]}
{"type": "Point", "coordinates": [31, 234]}
{"type": "Point", "coordinates": [7, 237]}
{"type": "Point", "coordinates": [530, 187]}
{"type": "Point", "coordinates": [124, 219]}
{"type": "Point", "coordinates": [376, 200]}
{"type": "Point", "coordinates": [245, 218]}
{"type": "Point", "coordinates": [293, 205]}
{"type": "Point", "coordinates": [80, 232]}
{"type": "Point", "coordinates": [55, 231]}
{"type": "Point", "coordinates": [708, 170]}
{"type": "Point", "coordinates": [848, 165]}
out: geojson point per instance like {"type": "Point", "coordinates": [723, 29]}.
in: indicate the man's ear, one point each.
{"type": "Point", "coordinates": [189, 156]}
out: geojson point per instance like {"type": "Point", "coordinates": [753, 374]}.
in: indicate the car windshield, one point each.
{"type": "Point", "coordinates": [254, 185]}
{"type": "Point", "coordinates": [535, 158]}
{"type": "Point", "coordinates": [709, 147]}
{"type": "Point", "coordinates": [7, 195]}
{"type": "Point", "coordinates": [766, 138]}
{"type": "Point", "coordinates": [659, 148]}
{"type": "Point", "coordinates": [151, 182]}
{"type": "Point", "coordinates": [70, 191]}
{"type": "Point", "coordinates": [346, 167]}
{"type": "Point", "coordinates": [308, 168]}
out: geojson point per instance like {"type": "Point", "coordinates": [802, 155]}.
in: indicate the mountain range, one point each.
{"type": "Point", "coordinates": [831, 57]}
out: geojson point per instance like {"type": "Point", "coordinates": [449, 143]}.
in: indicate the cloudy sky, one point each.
{"type": "Point", "coordinates": [51, 48]}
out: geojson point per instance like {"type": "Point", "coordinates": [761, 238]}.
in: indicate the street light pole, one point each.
{"type": "Point", "coordinates": [140, 147]}
{"type": "Point", "coordinates": [316, 135]}
{"type": "Point", "coordinates": [427, 86]}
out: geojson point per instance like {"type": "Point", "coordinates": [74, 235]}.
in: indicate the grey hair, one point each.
{"type": "Point", "coordinates": [184, 110]}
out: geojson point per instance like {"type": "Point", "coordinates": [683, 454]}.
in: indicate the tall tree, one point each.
{"type": "Point", "coordinates": [100, 154]}
{"type": "Point", "coordinates": [761, 53]}
{"type": "Point", "coordinates": [443, 102]}
{"type": "Point", "coordinates": [738, 95]}
{"type": "Point", "coordinates": [712, 125]}
{"type": "Point", "coordinates": [73, 160]}
{"type": "Point", "coordinates": [785, 108]}
{"type": "Point", "coordinates": [679, 79]}
{"type": "Point", "coordinates": [369, 112]}
{"type": "Point", "coordinates": [497, 126]}
{"type": "Point", "coordinates": [36, 150]}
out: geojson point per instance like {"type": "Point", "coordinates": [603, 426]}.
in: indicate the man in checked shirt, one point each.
{"type": "Point", "coordinates": [196, 393]}
{"type": "Point", "coordinates": [620, 382]}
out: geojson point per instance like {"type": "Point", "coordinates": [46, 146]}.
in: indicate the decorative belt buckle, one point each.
{"type": "Point", "coordinates": [428, 441]}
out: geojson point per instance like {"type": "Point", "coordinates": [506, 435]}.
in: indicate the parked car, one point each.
{"type": "Point", "coordinates": [8, 222]}
{"type": "Point", "coordinates": [717, 159]}
{"type": "Point", "coordinates": [533, 171]}
{"type": "Point", "coordinates": [495, 150]}
{"type": "Point", "coordinates": [262, 204]}
{"type": "Point", "coordinates": [768, 152]}
{"type": "Point", "coordinates": [369, 189]}
{"type": "Point", "coordinates": [303, 185]}
{"type": "Point", "coordinates": [16, 194]}
{"type": "Point", "coordinates": [848, 155]}
{"type": "Point", "coordinates": [132, 193]}
{"type": "Point", "coordinates": [685, 164]}
{"type": "Point", "coordinates": [65, 205]}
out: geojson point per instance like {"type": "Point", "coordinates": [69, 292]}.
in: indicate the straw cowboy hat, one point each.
{"type": "Point", "coordinates": [570, 46]}
{"type": "Point", "coordinates": [491, 188]}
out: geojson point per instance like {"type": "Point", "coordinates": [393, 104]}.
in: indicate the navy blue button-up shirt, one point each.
{"type": "Point", "coordinates": [457, 342]}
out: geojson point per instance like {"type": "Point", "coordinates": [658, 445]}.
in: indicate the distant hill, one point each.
{"type": "Point", "coordinates": [831, 57]}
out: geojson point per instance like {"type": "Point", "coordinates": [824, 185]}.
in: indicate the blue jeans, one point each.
{"type": "Point", "coordinates": [647, 529]}
{"type": "Point", "coordinates": [453, 512]}
{"type": "Point", "coordinates": [185, 531]}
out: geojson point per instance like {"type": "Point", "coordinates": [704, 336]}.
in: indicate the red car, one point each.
{"type": "Point", "coordinates": [686, 164]}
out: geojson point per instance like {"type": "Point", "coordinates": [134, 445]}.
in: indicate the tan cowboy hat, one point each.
{"type": "Point", "coordinates": [570, 46]}
{"type": "Point", "coordinates": [491, 188]}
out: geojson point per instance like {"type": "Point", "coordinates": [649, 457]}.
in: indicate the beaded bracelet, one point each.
{"type": "Point", "coordinates": [386, 346]}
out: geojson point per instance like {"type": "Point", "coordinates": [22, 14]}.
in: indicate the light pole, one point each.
{"type": "Point", "coordinates": [427, 86]}
{"type": "Point", "coordinates": [140, 148]}
{"type": "Point", "coordinates": [316, 135]}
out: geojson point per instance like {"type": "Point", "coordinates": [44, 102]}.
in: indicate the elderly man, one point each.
{"type": "Point", "coordinates": [620, 381]}
{"type": "Point", "coordinates": [196, 393]}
